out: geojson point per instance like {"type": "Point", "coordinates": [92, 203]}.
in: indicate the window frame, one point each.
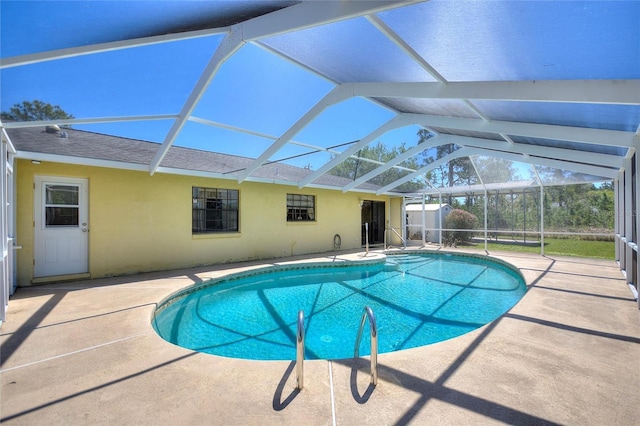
{"type": "Point", "coordinates": [301, 208]}
{"type": "Point", "coordinates": [214, 210]}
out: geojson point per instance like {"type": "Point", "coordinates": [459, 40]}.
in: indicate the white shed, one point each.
{"type": "Point", "coordinates": [432, 225]}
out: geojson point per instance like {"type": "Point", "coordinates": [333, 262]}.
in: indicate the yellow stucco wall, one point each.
{"type": "Point", "coordinates": [142, 223]}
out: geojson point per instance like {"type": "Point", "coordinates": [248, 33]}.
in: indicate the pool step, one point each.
{"type": "Point", "coordinates": [390, 266]}
{"type": "Point", "coordinates": [406, 259]}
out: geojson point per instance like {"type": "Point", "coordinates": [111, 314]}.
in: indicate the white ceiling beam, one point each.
{"type": "Point", "coordinates": [219, 125]}
{"type": "Point", "coordinates": [565, 159]}
{"type": "Point", "coordinates": [96, 120]}
{"type": "Point", "coordinates": [298, 17]}
{"type": "Point", "coordinates": [604, 172]}
{"type": "Point", "coordinates": [623, 92]}
{"type": "Point", "coordinates": [412, 152]}
{"type": "Point", "coordinates": [462, 152]}
{"type": "Point", "coordinates": [394, 123]}
{"type": "Point", "coordinates": [313, 13]}
{"type": "Point", "coordinates": [543, 131]}
{"type": "Point", "coordinates": [211, 123]}
{"type": "Point", "coordinates": [229, 45]}
{"type": "Point", "coordinates": [562, 154]}
{"type": "Point", "coordinates": [338, 94]}
{"type": "Point", "coordinates": [556, 164]}
{"type": "Point", "coordinates": [303, 15]}
{"type": "Point", "coordinates": [72, 52]}
{"type": "Point", "coordinates": [405, 47]}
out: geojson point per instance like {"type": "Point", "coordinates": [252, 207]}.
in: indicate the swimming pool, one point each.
{"type": "Point", "coordinates": [417, 298]}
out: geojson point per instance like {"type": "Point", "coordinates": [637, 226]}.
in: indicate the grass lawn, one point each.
{"type": "Point", "coordinates": [560, 247]}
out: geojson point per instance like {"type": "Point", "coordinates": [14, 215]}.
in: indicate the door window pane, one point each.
{"type": "Point", "coordinates": [62, 194]}
{"type": "Point", "coordinates": [62, 205]}
{"type": "Point", "coordinates": [61, 216]}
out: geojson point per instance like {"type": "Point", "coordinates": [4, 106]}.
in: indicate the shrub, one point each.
{"type": "Point", "coordinates": [459, 219]}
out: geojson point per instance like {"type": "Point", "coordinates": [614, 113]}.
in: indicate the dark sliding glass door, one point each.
{"type": "Point", "coordinates": [373, 214]}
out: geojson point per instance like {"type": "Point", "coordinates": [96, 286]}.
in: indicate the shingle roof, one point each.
{"type": "Point", "coordinates": [95, 146]}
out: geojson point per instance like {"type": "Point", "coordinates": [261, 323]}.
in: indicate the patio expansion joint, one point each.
{"type": "Point", "coordinates": [29, 364]}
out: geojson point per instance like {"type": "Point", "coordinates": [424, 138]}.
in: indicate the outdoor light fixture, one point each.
{"type": "Point", "coordinates": [35, 162]}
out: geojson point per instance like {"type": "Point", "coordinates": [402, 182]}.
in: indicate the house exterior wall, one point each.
{"type": "Point", "coordinates": [396, 222]}
{"type": "Point", "coordinates": [139, 222]}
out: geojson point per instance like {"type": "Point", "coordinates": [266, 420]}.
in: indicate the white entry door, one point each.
{"type": "Point", "coordinates": [61, 226]}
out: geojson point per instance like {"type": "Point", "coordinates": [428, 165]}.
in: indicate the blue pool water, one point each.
{"type": "Point", "coordinates": [417, 299]}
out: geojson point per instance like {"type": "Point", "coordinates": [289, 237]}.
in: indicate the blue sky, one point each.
{"type": "Point", "coordinates": [266, 94]}
{"type": "Point", "coordinates": [254, 89]}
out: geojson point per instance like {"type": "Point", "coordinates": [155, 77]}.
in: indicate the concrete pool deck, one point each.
{"type": "Point", "coordinates": [84, 352]}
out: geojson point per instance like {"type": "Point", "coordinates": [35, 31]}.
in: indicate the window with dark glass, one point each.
{"type": "Point", "coordinates": [214, 210]}
{"type": "Point", "coordinates": [301, 207]}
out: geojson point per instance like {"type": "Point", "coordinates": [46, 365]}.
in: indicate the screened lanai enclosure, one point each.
{"type": "Point", "coordinates": [552, 203]}
{"type": "Point", "coordinates": [484, 105]}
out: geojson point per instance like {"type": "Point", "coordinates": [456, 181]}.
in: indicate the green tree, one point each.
{"type": "Point", "coordinates": [35, 111]}
{"type": "Point", "coordinates": [353, 168]}
{"type": "Point", "coordinates": [458, 171]}
{"type": "Point", "coordinates": [581, 207]}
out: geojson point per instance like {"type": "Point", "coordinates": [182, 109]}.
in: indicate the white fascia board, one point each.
{"type": "Point", "coordinates": [312, 14]}
{"type": "Point", "coordinates": [561, 154]}
{"type": "Point", "coordinates": [338, 94]}
{"type": "Point", "coordinates": [96, 120]}
{"type": "Point", "coordinates": [5, 137]}
{"type": "Point", "coordinates": [623, 92]}
{"type": "Point", "coordinates": [92, 162]}
{"type": "Point", "coordinates": [81, 161]}
{"type": "Point", "coordinates": [233, 177]}
{"type": "Point", "coordinates": [543, 131]}
{"type": "Point", "coordinates": [229, 45]}
{"type": "Point", "coordinates": [71, 52]}
{"type": "Point", "coordinates": [334, 188]}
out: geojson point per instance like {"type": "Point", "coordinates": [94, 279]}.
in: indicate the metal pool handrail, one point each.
{"type": "Point", "coordinates": [300, 351]}
{"type": "Point", "coordinates": [368, 312]}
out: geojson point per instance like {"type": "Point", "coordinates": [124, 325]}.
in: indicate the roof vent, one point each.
{"type": "Point", "coordinates": [53, 129]}
{"type": "Point", "coordinates": [64, 135]}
